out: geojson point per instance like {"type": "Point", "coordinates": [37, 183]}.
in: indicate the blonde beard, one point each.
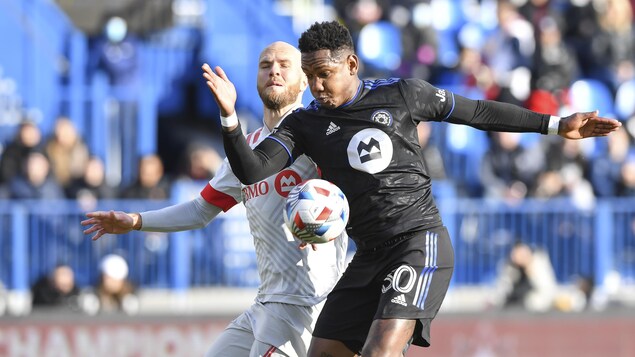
{"type": "Point", "coordinates": [278, 101]}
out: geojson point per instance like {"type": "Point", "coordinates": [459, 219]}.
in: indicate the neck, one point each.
{"type": "Point", "coordinates": [353, 89]}
{"type": "Point", "coordinates": [273, 116]}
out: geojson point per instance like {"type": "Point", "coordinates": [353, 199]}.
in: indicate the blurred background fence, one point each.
{"type": "Point", "coordinates": [36, 236]}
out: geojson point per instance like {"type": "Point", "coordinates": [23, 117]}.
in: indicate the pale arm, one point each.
{"type": "Point", "coordinates": [190, 215]}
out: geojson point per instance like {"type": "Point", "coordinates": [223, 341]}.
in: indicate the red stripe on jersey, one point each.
{"type": "Point", "coordinates": [256, 135]}
{"type": "Point", "coordinates": [326, 212]}
{"type": "Point", "coordinates": [269, 352]}
{"type": "Point", "coordinates": [217, 198]}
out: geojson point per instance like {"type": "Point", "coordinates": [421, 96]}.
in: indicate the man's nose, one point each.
{"type": "Point", "coordinates": [316, 85]}
{"type": "Point", "coordinates": [275, 70]}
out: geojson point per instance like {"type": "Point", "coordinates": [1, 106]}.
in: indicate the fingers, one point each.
{"type": "Point", "coordinates": [93, 229]}
{"type": "Point", "coordinates": [97, 214]}
{"type": "Point", "coordinates": [99, 234]}
{"type": "Point", "coordinates": [207, 70]}
{"type": "Point", "coordinates": [212, 76]}
{"type": "Point", "coordinates": [88, 222]}
{"type": "Point", "coordinates": [222, 74]}
{"type": "Point", "coordinates": [95, 220]}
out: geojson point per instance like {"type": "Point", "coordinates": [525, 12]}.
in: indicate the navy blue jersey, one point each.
{"type": "Point", "coordinates": [369, 148]}
{"type": "Point", "coordinates": [375, 135]}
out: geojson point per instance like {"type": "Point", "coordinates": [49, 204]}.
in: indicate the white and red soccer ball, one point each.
{"type": "Point", "coordinates": [316, 211]}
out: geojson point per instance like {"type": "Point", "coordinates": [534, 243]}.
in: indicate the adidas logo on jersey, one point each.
{"type": "Point", "coordinates": [332, 128]}
{"type": "Point", "coordinates": [401, 300]}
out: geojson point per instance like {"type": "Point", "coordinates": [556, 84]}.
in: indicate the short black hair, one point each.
{"type": "Point", "coordinates": [328, 35]}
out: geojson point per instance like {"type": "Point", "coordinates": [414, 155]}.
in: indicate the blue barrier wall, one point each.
{"type": "Point", "coordinates": [34, 236]}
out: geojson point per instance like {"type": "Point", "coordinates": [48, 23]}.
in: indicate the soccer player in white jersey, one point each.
{"type": "Point", "coordinates": [294, 282]}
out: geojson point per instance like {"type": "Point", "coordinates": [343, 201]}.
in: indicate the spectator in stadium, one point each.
{"type": "Point", "coordinates": [92, 185]}
{"type": "Point", "coordinates": [626, 183]}
{"type": "Point", "coordinates": [116, 53]}
{"type": "Point", "coordinates": [114, 291]}
{"type": "Point", "coordinates": [509, 48]}
{"type": "Point", "coordinates": [151, 182]}
{"type": "Point", "coordinates": [508, 169]}
{"type": "Point", "coordinates": [12, 161]}
{"type": "Point", "coordinates": [555, 65]}
{"type": "Point", "coordinates": [606, 168]}
{"type": "Point", "coordinates": [527, 280]}
{"type": "Point", "coordinates": [67, 152]}
{"type": "Point", "coordinates": [362, 134]}
{"type": "Point", "coordinates": [200, 162]}
{"type": "Point", "coordinates": [293, 282]}
{"type": "Point", "coordinates": [561, 153]}
{"type": "Point", "coordinates": [612, 46]}
{"type": "Point", "coordinates": [56, 289]}
{"type": "Point", "coordinates": [36, 180]}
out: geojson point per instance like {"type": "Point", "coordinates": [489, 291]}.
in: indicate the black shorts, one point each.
{"type": "Point", "coordinates": [406, 279]}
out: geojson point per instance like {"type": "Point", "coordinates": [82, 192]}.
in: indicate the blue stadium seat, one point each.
{"type": "Point", "coordinates": [587, 95]}
{"type": "Point", "coordinates": [379, 44]}
{"type": "Point", "coordinates": [625, 100]}
{"type": "Point", "coordinates": [465, 149]}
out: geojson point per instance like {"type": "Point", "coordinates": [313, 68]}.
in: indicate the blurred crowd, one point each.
{"type": "Point", "coordinates": [61, 166]}
{"type": "Point", "coordinates": [113, 292]}
{"type": "Point", "coordinates": [552, 56]}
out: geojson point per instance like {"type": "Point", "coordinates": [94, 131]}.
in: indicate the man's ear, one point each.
{"type": "Point", "coordinates": [352, 61]}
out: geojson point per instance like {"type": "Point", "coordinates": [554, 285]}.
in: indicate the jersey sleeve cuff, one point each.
{"type": "Point", "coordinates": [554, 125]}
{"type": "Point", "coordinates": [229, 121]}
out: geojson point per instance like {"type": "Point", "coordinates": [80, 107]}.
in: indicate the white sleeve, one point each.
{"type": "Point", "coordinates": [194, 214]}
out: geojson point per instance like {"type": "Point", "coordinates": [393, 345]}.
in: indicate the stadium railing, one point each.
{"type": "Point", "coordinates": [36, 235]}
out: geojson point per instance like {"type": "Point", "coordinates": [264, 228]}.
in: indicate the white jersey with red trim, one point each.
{"type": "Point", "coordinates": [287, 274]}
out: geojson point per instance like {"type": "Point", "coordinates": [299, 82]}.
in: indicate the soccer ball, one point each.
{"type": "Point", "coordinates": [316, 211]}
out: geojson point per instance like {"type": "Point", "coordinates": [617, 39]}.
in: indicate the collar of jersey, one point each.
{"type": "Point", "coordinates": [359, 90]}
{"type": "Point", "coordinates": [264, 126]}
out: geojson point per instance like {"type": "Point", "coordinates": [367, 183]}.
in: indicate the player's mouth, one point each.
{"type": "Point", "coordinates": [323, 100]}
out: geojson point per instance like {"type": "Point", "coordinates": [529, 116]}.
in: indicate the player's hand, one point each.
{"type": "Point", "coordinates": [222, 88]}
{"type": "Point", "coordinates": [104, 222]}
{"type": "Point", "coordinates": [585, 125]}
{"type": "Point", "coordinates": [303, 245]}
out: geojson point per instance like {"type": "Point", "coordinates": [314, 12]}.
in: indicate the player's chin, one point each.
{"type": "Point", "coordinates": [325, 103]}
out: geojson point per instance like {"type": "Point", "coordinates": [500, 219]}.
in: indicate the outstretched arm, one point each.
{"type": "Point", "coordinates": [498, 116]}
{"type": "Point", "coordinates": [194, 214]}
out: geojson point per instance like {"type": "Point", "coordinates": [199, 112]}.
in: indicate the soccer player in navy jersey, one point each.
{"type": "Point", "coordinates": [363, 136]}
